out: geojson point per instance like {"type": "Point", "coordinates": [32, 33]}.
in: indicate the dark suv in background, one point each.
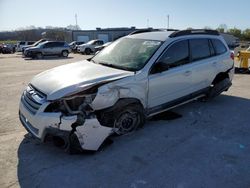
{"type": "Point", "coordinates": [48, 48]}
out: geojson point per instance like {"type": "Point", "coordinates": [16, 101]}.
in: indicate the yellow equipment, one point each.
{"type": "Point", "coordinates": [243, 58]}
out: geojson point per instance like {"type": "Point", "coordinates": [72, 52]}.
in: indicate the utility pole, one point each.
{"type": "Point", "coordinates": [147, 23]}
{"type": "Point", "coordinates": [168, 21]}
{"type": "Point", "coordinates": [76, 19]}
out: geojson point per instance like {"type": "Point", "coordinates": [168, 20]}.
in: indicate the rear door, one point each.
{"type": "Point", "coordinates": [204, 62]}
{"type": "Point", "coordinates": [171, 76]}
{"type": "Point", "coordinates": [58, 48]}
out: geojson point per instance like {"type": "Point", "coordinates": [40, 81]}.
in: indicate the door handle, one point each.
{"type": "Point", "coordinates": [187, 73]}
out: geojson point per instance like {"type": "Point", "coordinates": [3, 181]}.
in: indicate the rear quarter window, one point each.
{"type": "Point", "coordinates": [219, 47]}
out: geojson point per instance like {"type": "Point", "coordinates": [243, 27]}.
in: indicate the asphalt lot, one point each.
{"type": "Point", "coordinates": [209, 146]}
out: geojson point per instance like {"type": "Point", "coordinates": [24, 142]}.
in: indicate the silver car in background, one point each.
{"type": "Point", "coordinates": [48, 48]}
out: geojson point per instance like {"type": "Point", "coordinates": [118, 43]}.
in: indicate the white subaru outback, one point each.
{"type": "Point", "coordinates": [133, 78]}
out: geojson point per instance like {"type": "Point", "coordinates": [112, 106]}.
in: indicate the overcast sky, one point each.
{"type": "Point", "coordinates": [124, 13]}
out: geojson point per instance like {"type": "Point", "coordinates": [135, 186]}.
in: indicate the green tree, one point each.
{"type": "Point", "coordinates": [235, 32]}
{"type": "Point", "coordinates": [246, 34]}
{"type": "Point", "coordinates": [222, 28]}
{"type": "Point", "coordinates": [53, 34]}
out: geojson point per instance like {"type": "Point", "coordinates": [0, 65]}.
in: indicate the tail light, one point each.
{"type": "Point", "coordinates": [232, 55]}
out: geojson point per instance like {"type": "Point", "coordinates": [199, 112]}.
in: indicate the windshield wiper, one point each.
{"type": "Point", "coordinates": [93, 61]}
{"type": "Point", "coordinates": [115, 66]}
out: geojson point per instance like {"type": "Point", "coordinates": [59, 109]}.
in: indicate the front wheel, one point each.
{"type": "Point", "coordinates": [128, 119]}
{"type": "Point", "coordinates": [88, 51]}
{"type": "Point", "coordinates": [218, 88]}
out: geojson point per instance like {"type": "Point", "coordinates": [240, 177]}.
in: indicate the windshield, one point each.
{"type": "Point", "coordinates": [91, 42]}
{"type": "Point", "coordinates": [41, 44]}
{"type": "Point", "coordinates": [127, 53]}
{"type": "Point", "coordinates": [37, 42]}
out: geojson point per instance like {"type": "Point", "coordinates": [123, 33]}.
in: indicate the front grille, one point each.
{"type": "Point", "coordinates": [32, 99]}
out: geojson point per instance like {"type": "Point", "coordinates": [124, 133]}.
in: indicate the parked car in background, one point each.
{"type": "Point", "coordinates": [21, 44]}
{"type": "Point", "coordinates": [7, 49]}
{"type": "Point", "coordinates": [1, 47]}
{"type": "Point", "coordinates": [48, 48]}
{"type": "Point", "coordinates": [73, 45]}
{"type": "Point", "coordinates": [89, 47]}
{"type": "Point", "coordinates": [33, 45]}
{"type": "Point", "coordinates": [132, 79]}
{"type": "Point", "coordinates": [99, 48]}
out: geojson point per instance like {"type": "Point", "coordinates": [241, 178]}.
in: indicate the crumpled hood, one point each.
{"type": "Point", "coordinates": [67, 79]}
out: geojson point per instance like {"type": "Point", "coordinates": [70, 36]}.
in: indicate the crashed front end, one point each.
{"type": "Point", "coordinates": [66, 117]}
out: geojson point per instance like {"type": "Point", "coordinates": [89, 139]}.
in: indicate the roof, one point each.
{"type": "Point", "coordinates": [155, 35]}
{"type": "Point", "coordinates": [162, 35]}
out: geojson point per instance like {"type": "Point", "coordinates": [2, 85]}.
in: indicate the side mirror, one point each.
{"type": "Point", "coordinates": [159, 67]}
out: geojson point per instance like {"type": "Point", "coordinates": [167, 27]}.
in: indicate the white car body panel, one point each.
{"type": "Point", "coordinates": [177, 83]}
{"type": "Point", "coordinates": [42, 120]}
{"type": "Point", "coordinates": [91, 135]}
{"type": "Point", "coordinates": [129, 87]}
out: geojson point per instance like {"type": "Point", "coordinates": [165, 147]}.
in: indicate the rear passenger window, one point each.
{"type": "Point", "coordinates": [199, 48]}
{"type": "Point", "coordinates": [176, 55]}
{"type": "Point", "coordinates": [48, 45]}
{"type": "Point", "coordinates": [58, 44]}
{"type": "Point", "coordinates": [219, 47]}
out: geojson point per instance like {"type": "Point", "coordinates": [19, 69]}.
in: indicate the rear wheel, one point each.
{"type": "Point", "coordinates": [65, 53]}
{"type": "Point", "coordinates": [219, 87]}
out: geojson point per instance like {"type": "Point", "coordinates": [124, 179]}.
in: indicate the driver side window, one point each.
{"type": "Point", "coordinates": [176, 55]}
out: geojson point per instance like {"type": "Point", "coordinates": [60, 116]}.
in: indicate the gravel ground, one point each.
{"type": "Point", "coordinates": [209, 146]}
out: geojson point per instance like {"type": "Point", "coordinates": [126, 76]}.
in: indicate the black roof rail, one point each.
{"type": "Point", "coordinates": [172, 30]}
{"type": "Point", "coordinates": [143, 31]}
{"type": "Point", "coordinates": [194, 32]}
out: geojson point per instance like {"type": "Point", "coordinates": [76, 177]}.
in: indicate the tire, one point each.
{"type": "Point", "coordinates": [39, 55]}
{"type": "Point", "coordinates": [129, 119]}
{"type": "Point", "coordinates": [218, 88]}
{"type": "Point", "coordinates": [113, 116]}
{"type": "Point", "coordinates": [88, 51]}
{"type": "Point", "coordinates": [65, 53]}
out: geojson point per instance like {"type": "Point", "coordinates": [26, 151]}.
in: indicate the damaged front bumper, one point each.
{"type": "Point", "coordinates": [40, 124]}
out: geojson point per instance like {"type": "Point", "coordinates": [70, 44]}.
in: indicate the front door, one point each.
{"type": "Point", "coordinates": [171, 76]}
